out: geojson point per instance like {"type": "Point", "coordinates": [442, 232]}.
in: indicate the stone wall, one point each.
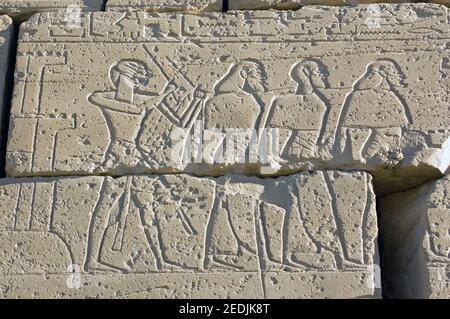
{"type": "Point", "coordinates": [180, 149]}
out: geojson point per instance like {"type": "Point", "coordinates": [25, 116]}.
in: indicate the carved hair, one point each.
{"type": "Point", "coordinates": [301, 73]}
{"type": "Point", "coordinates": [386, 69]}
{"type": "Point", "coordinates": [233, 81]}
{"type": "Point", "coordinates": [136, 71]}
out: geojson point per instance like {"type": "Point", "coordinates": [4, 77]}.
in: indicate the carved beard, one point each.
{"type": "Point", "coordinates": [370, 81]}
{"type": "Point", "coordinates": [250, 87]}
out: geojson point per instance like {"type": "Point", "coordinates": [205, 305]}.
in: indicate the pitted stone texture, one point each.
{"type": "Point", "coordinates": [296, 4]}
{"type": "Point", "coordinates": [165, 5]}
{"type": "Point", "coordinates": [331, 87]}
{"type": "Point", "coordinates": [415, 234]}
{"type": "Point", "coordinates": [303, 236]}
{"type": "Point", "coordinates": [24, 8]}
{"type": "Point", "coordinates": [6, 37]}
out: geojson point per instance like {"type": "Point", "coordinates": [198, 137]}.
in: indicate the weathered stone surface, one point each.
{"type": "Point", "coordinates": [24, 8]}
{"type": "Point", "coordinates": [445, 2]}
{"type": "Point", "coordinates": [332, 89]}
{"type": "Point", "coordinates": [165, 5]}
{"type": "Point", "coordinates": [306, 235]}
{"type": "Point", "coordinates": [296, 4]}
{"type": "Point", "coordinates": [415, 236]}
{"type": "Point", "coordinates": [6, 36]}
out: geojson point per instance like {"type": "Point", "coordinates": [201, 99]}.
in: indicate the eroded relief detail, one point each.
{"type": "Point", "coordinates": [199, 94]}
{"type": "Point", "coordinates": [165, 5]}
{"type": "Point", "coordinates": [24, 8]}
{"type": "Point", "coordinates": [175, 224]}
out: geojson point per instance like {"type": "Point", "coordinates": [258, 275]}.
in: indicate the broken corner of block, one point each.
{"type": "Point", "coordinates": [21, 10]}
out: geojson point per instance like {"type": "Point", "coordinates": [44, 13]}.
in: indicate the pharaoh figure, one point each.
{"type": "Point", "coordinates": [124, 109]}
{"type": "Point", "coordinates": [235, 107]}
{"type": "Point", "coordinates": [301, 116]}
{"type": "Point", "coordinates": [374, 111]}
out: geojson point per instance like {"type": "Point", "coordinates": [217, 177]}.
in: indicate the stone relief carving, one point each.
{"type": "Point", "coordinates": [415, 230]}
{"type": "Point", "coordinates": [189, 96]}
{"type": "Point", "coordinates": [171, 223]}
{"type": "Point", "coordinates": [374, 111]}
{"type": "Point", "coordinates": [302, 115]}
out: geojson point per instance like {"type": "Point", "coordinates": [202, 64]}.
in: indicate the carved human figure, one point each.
{"type": "Point", "coordinates": [374, 111]}
{"type": "Point", "coordinates": [124, 109]}
{"type": "Point", "coordinates": [165, 210]}
{"type": "Point", "coordinates": [235, 105]}
{"type": "Point", "coordinates": [301, 117]}
{"type": "Point", "coordinates": [314, 232]}
{"type": "Point", "coordinates": [233, 237]}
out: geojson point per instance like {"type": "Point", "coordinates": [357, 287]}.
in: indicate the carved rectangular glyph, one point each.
{"type": "Point", "coordinates": [303, 236]}
{"type": "Point", "coordinates": [24, 8]}
{"type": "Point", "coordinates": [415, 234]}
{"type": "Point", "coordinates": [296, 4]}
{"type": "Point", "coordinates": [6, 38]}
{"type": "Point", "coordinates": [165, 5]}
{"type": "Point", "coordinates": [260, 92]}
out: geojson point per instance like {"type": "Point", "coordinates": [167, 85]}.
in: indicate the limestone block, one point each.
{"type": "Point", "coordinates": [165, 5]}
{"type": "Point", "coordinates": [257, 92]}
{"type": "Point", "coordinates": [415, 236]}
{"type": "Point", "coordinates": [444, 2]}
{"type": "Point", "coordinates": [6, 37]}
{"type": "Point", "coordinates": [296, 4]}
{"type": "Point", "coordinates": [23, 8]}
{"type": "Point", "coordinates": [310, 235]}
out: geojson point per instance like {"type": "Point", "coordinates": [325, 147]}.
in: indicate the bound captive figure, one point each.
{"type": "Point", "coordinates": [374, 112]}
{"type": "Point", "coordinates": [235, 109]}
{"type": "Point", "coordinates": [124, 109]}
{"type": "Point", "coordinates": [301, 117]}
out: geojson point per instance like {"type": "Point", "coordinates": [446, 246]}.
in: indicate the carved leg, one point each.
{"type": "Point", "coordinates": [357, 138]}
{"type": "Point", "coordinates": [110, 195]}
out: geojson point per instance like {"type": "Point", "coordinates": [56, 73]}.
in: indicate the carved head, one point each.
{"type": "Point", "coordinates": [310, 71]}
{"type": "Point", "coordinates": [135, 73]}
{"type": "Point", "coordinates": [253, 73]}
{"type": "Point", "coordinates": [389, 71]}
{"type": "Point", "coordinates": [248, 75]}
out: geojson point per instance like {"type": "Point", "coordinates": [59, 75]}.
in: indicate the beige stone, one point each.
{"type": "Point", "coordinates": [444, 2]}
{"type": "Point", "coordinates": [309, 235]}
{"type": "Point", "coordinates": [320, 88]}
{"type": "Point", "coordinates": [415, 236]}
{"type": "Point", "coordinates": [296, 4]}
{"type": "Point", "coordinates": [165, 5]}
{"type": "Point", "coordinates": [22, 9]}
{"type": "Point", "coordinates": [6, 37]}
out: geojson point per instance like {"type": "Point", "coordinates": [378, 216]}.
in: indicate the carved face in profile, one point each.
{"type": "Point", "coordinates": [135, 73]}
{"type": "Point", "coordinates": [309, 71]}
{"type": "Point", "coordinates": [254, 76]}
{"type": "Point", "coordinates": [389, 72]}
